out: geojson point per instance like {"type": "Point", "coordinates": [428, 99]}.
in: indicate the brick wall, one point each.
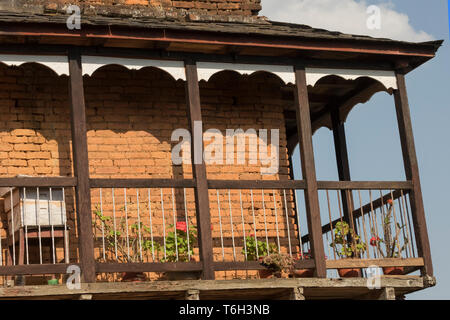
{"type": "Point", "coordinates": [130, 117]}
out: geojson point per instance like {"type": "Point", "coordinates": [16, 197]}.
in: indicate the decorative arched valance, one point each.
{"type": "Point", "coordinates": [174, 68]}
{"type": "Point", "coordinates": [387, 78]}
{"type": "Point", "coordinates": [207, 69]}
{"type": "Point", "coordinates": [59, 64]}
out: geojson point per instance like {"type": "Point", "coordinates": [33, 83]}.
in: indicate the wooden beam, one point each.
{"type": "Point", "coordinates": [343, 166]}
{"type": "Point", "coordinates": [38, 182]}
{"type": "Point", "coordinates": [364, 185]}
{"type": "Point", "coordinates": [309, 172]}
{"type": "Point", "coordinates": [142, 183]}
{"type": "Point", "coordinates": [81, 167]}
{"type": "Point", "coordinates": [199, 172]}
{"type": "Point", "coordinates": [256, 184]}
{"type": "Point", "coordinates": [412, 173]}
{"type": "Point", "coordinates": [31, 269]}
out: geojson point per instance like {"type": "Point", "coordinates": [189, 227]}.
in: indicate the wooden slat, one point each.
{"type": "Point", "coordinates": [199, 171]}
{"type": "Point", "coordinates": [81, 167]}
{"type": "Point", "coordinates": [256, 184]}
{"type": "Point", "coordinates": [38, 182]}
{"type": "Point", "coordinates": [148, 267]}
{"type": "Point", "coordinates": [142, 183]}
{"type": "Point", "coordinates": [364, 263]}
{"type": "Point", "coordinates": [309, 171]}
{"type": "Point", "coordinates": [412, 173]}
{"type": "Point", "coordinates": [31, 269]}
{"type": "Point", "coordinates": [364, 185]}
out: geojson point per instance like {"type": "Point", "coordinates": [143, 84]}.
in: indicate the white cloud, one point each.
{"type": "Point", "coordinates": [348, 16]}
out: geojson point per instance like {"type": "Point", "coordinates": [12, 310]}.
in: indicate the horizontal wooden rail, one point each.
{"type": "Point", "coordinates": [365, 210]}
{"type": "Point", "coordinates": [364, 263]}
{"type": "Point", "coordinates": [364, 185]}
{"type": "Point", "coordinates": [38, 182]}
{"type": "Point", "coordinates": [31, 269]}
{"type": "Point", "coordinates": [148, 267]}
{"type": "Point", "coordinates": [256, 184]}
{"type": "Point", "coordinates": [142, 183]}
{"type": "Point", "coordinates": [254, 265]}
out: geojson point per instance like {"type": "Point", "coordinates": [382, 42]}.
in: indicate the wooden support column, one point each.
{"type": "Point", "coordinates": [340, 145]}
{"type": "Point", "coordinates": [309, 172]}
{"type": "Point", "coordinates": [81, 167]}
{"type": "Point", "coordinates": [199, 171]}
{"type": "Point", "coordinates": [412, 174]}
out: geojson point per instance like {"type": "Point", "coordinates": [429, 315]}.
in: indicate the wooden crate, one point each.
{"type": "Point", "coordinates": [30, 212]}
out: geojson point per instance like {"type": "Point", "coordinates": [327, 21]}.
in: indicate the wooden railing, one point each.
{"type": "Point", "coordinates": [267, 212]}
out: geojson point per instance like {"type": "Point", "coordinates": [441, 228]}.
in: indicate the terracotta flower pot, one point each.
{"type": "Point", "coordinates": [349, 273]}
{"type": "Point", "coordinates": [181, 275]}
{"type": "Point", "coordinates": [303, 273]}
{"type": "Point", "coordinates": [265, 273]}
{"type": "Point", "coordinates": [133, 277]}
{"type": "Point", "coordinates": [393, 271]}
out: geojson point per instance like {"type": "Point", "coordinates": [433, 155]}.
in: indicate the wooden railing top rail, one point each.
{"type": "Point", "coordinates": [364, 185]}
{"type": "Point", "coordinates": [38, 182]}
{"type": "Point", "coordinates": [142, 183]}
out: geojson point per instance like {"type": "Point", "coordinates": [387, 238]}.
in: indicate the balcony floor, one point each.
{"type": "Point", "coordinates": [269, 289]}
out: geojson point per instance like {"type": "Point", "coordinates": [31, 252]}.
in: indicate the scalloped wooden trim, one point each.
{"type": "Point", "coordinates": [93, 63]}
{"type": "Point", "coordinates": [59, 64]}
{"type": "Point", "coordinates": [207, 69]}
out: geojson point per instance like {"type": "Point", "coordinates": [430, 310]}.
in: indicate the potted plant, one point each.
{"type": "Point", "coordinates": [122, 248]}
{"type": "Point", "coordinates": [257, 250]}
{"type": "Point", "coordinates": [278, 263]}
{"type": "Point", "coordinates": [347, 244]}
{"type": "Point", "coordinates": [303, 273]}
{"type": "Point", "coordinates": [179, 248]}
{"type": "Point", "coordinates": [389, 247]}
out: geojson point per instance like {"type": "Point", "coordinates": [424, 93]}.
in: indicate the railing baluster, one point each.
{"type": "Point", "coordinates": [151, 224]}
{"type": "Point", "coordinates": [12, 228]}
{"type": "Point", "coordinates": [103, 226]}
{"type": "Point", "coordinates": [364, 225]}
{"type": "Point", "coordinates": [175, 225]}
{"type": "Point", "coordinates": [51, 224]}
{"type": "Point", "coordinates": [299, 227]}
{"type": "Point", "coordinates": [231, 224]}
{"type": "Point", "coordinates": [38, 214]}
{"type": "Point", "coordinates": [139, 224]}
{"type": "Point", "coordinates": [331, 223]}
{"type": "Point", "coordinates": [164, 223]}
{"type": "Point", "coordinates": [287, 223]}
{"type": "Point", "coordinates": [407, 224]}
{"type": "Point", "coordinates": [187, 225]}
{"type": "Point", "coordinates": [254, 223]}
{"type": "Point", "coordinates": [26, 226]}
{"type": "Point", "coordinates": [220, 225]}
{"type": "Point", "coordinates": [114, 222]}
{"type": "Point", "coordinates": [243, 224]}
{"type": "Point", "coordinates": [276, 222]}
{"type": "Point", "coordinates": [265, 220]}
{"type": "Point", "coordinates": [126, 222]}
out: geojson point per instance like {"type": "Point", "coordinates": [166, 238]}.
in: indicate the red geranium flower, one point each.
{"type": "Point", "coordinates": [374, 241]}
{"type": "Point", "coordinates": [181, 225]}
{"type": "Point", "coordinates": [390, 201]}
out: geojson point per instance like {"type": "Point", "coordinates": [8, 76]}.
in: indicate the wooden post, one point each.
{"type": "Point", "coordinates": [340, 145]}
{"type": "Point", "coordinates": [309, 172]}
{"type": "Point", "coordinates": [199, 172]}
{"type": "Point", "coordinates": [81, 167]}
{"type": "Point", "coordinates": [412, 174]}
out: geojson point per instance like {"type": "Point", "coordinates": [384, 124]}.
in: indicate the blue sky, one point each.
{"type": "Point", "coordinates": [373, 141]}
